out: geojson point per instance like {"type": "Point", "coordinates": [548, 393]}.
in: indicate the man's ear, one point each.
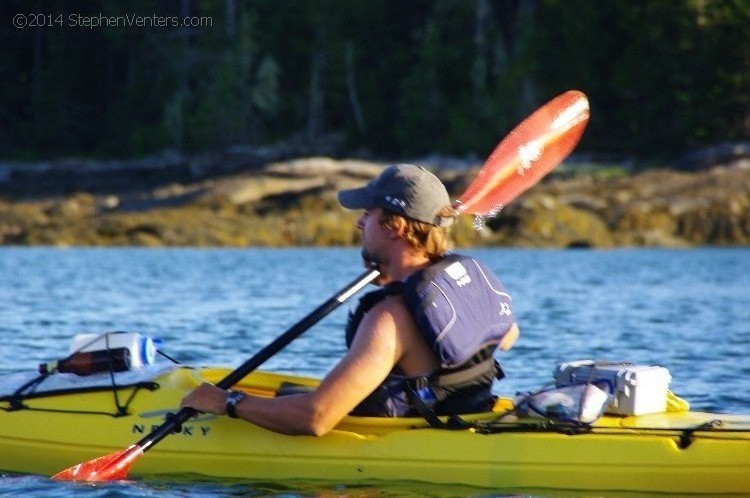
{"type": "Point", "coordinates": [399, 225]}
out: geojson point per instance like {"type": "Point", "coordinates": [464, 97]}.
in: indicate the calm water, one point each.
{"type": "Point", "coordinates": [686, 310]}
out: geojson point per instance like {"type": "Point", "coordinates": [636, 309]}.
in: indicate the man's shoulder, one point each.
{"type": "Point", "coordinates": [391, 308]}
{"type": "Point", "coordinates": [388, 318]}
{"type": "Point", "coordinates": [392, 303]}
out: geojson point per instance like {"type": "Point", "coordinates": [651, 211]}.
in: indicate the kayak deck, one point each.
{"type": "Point", "coordinates": [673, 452]}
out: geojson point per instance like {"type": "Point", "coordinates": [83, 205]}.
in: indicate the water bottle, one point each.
{"type": "Point", "coordinates": [90, 362]}
{"type": "Point", "coordinates": [142, 348]}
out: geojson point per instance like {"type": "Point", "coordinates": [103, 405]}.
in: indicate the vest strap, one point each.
{"type": "Point", "coordinates": [426, 412]}
{"type": "Point", "coordinates": [488, 367]}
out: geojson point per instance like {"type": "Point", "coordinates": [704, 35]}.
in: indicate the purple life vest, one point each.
{"type": "Point", "coordinates": [463, 312]}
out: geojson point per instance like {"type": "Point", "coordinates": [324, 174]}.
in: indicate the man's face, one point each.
{"type": "Point", "coordinates": [374, 236]}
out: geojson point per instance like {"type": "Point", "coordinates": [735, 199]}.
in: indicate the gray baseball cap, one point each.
{"type": "Point", "coordinates": [404, 189]}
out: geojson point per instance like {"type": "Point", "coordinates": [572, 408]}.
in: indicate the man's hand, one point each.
{"type": "Point", "coordinates": [207, 398]}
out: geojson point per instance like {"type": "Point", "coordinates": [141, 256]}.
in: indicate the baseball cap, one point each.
{"type": "Point", "coordinates": [404, 189]}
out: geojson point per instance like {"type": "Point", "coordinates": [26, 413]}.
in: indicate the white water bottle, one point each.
{"type": "Point", "coordinates": [142, 348]}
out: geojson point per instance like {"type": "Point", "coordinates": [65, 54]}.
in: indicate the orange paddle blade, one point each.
{"type": "Point", "coordinates": [530, 151]}
{"type": "Point", "coordinates": [112, 467]}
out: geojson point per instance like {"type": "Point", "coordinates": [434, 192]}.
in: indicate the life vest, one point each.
{"type": "Point", "coordinates": [463, 312]}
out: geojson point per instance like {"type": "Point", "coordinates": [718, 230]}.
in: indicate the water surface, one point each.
{"type": "Point", "coordinates": [686, 310]}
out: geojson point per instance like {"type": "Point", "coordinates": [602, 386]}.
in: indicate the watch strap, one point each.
{"type": "Point", "coordinates": [233, 399]}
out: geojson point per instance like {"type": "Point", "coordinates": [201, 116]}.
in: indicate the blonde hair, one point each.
{"type": "Point", "coordinates": [432, 240]}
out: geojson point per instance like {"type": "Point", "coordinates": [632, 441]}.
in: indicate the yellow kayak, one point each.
{"type": "Point", "coordinates": [67, 420]}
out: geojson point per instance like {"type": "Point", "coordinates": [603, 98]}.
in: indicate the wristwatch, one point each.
{"type": "Point", "coordinates": [233, 399]}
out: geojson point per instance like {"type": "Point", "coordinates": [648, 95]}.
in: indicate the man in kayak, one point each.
{"type": "Point", "coordinates": [422, 344]}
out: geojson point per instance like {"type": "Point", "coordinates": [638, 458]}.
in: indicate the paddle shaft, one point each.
{"type": "Point", "coordinates": [296, 330]}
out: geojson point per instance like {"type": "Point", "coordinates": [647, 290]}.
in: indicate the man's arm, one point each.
{"type": "Point", "coordinates": [375, 351]}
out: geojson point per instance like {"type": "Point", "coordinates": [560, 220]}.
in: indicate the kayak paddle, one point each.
{"type": "Point", "coordinates": [526, 154]}
{"type": "Point", "coordinates": [529, 152]}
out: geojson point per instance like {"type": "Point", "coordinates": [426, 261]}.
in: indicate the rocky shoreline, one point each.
{"type": "Point", "coordinates": [292, 202]}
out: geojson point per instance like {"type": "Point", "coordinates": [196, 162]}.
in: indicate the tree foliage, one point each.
{"type": "Point", "coordinates": [392, 77]}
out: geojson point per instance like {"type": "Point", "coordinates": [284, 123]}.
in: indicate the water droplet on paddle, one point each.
{"type": "Point", "coordinates": [495, 210]}
{"type": "Point", "coordinates": [480, 220]}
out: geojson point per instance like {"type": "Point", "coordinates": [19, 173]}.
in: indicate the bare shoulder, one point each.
{"type": "Point", "coordinates": [416, 357]}
{"type": "Point", "coordinates": [389, 317]}
{"type": "Point", "coordinates": [389, 329]}
{"type": "Point", "coordinates": [392, 308]}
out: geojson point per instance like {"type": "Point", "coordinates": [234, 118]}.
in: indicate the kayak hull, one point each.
{"type": "Point", "coordinates": [650, 453]}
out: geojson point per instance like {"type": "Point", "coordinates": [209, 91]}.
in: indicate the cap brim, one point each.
{"type": "Point", "coordinates": [356, 198]}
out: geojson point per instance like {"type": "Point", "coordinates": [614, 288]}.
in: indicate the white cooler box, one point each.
{"type": "Point", "coordinates": [636, 389]}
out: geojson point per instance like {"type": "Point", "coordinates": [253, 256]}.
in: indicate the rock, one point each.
{"type": "Point", "coordinates": [326, 167]}
{"type": "Point", "coordinates": [252, 189]}
{"type": "Point", "coordinates": [77, 206]}
{"type": "Point", "coordinates": [735, 154]}
{"type": "Point", "coordinates": [586, 202]}
{"type": "Point", "coordinates": [546, 222]}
